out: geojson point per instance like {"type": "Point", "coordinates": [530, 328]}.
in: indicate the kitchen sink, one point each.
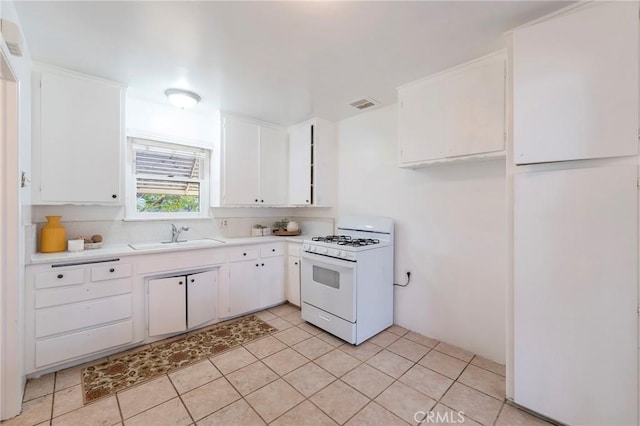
{"type": "Point", "coordinates": [203, 242]}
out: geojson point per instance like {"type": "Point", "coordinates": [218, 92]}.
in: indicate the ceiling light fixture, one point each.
{"type": "Point", "coordinates": [182, 98]}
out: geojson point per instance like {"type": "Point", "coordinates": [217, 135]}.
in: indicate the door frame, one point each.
{"type": "Point", "coordinates": [11, 364]}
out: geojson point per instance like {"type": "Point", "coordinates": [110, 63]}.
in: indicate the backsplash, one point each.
{"type": "Point", "coordinates": [123, 232]}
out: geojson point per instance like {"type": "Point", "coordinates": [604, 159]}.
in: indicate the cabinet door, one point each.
{"type": "Point", "coordinates": [421, 121]}
{"type": "Point", "coordinates": [475, 109]}
{"type": "Point", "coordinates": [300, 160]}
{"type": "Point", "coordinates": [293, 280]}
{"type": "Point", "coordinates": [244, 295]}
{"type": "Point", "coordinates": [576, 294]}
{"type": "Point", "coordinates": [575, 85]}
{"type": "Point", "coordinates": [167, 305]}
{"type": "Point", "coordinates": [201, 298]}
{"type": "Point", "coordinates": [274, 158]}
{"type": "Point", "coordinates": [241, 162]}
{"type": "Point", "coordinates": [80, 139]}
{"type": "Point", "coordinates": [271, 281]}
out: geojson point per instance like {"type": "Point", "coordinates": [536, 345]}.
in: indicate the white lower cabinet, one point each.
{"type": "Point", "coordinates": [244, 289]}
{"type": "Point", "coordinates": [256, 279]}
{"type": "Point", "coordinates": [182, 302]}
{"type": "Point", "coordinates": [73, 311]}
{"type": "Point", "coordinates": [293, 274]}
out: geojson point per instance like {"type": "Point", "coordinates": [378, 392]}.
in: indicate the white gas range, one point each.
{"type": "Point", "coordinates": [347, 279]}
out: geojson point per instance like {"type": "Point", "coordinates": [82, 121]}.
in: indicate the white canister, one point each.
{"type": "Point", "coordinates": [75, 245]}
{"type": "Point", "coordinates": [293, 227]}
{"type": "Point", "coordinates": [256, 232]}
{"type": "Point", "coordinates": [266, 231]}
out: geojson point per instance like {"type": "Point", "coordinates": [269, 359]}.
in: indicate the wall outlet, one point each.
{"type": "Point", "coordinates": [223, 223]}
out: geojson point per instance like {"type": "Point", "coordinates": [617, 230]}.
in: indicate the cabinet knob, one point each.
{"type": "Point", "coordinates": [295, 263]}
{"type": "Point", "coordinates": [263, 264]}
{"type": "Point", "coordinates": [306, 201]}
{"type": "Point", "coordinates": [192, 280]}
{"type": "Point", "coordinates": [112, 270]}
{"type": "Point", "coordinates": [114, 196]}
{"type": "Point", "coordinates": [262, 201]}
{"type": "Point", "coordinates": [257, 264]}
{"type": "Point", "coordinates": [60, 276]}
{"type": "Point", "coordinates": [256, 200]}
{"type": "Point", "coordinates": [273, 250]}
{"type": "Point", "coordinates": [180, 282]}
{"type": "Point", "coordinates": [244, 254]}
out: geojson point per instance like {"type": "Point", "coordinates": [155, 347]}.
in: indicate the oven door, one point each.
{"type": "Point", "coordinates": [329, 284]}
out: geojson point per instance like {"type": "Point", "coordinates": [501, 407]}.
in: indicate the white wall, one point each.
{"type": "Point", "coordinates": [450, 233]}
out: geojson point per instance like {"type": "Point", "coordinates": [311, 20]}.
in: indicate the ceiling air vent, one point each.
{"type": "Point", "coordinates": [364, 103]}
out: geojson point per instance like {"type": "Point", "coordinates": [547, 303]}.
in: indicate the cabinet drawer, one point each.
{"type": "Point", "coordinates": [294, 249]}
{"type": "Point", "coordinates": [242, 254]}
{"type": "Point", "coordinates": [80, 315]}
{"type": "Point", "coordinates": [271, 251]}
{"type": "Point", "coordinates": [59, 278]}
{"type": "Point", "coordinates": [61, 296]}
{"type": "Point", "coordinates": [63, 348]}
{"type": "Point", "coordinates": [110, 272]}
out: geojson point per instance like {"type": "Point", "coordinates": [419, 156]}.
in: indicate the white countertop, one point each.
{"type": "Point", "coordinates": [115, 250]}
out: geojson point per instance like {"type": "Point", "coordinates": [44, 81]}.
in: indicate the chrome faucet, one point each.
{"type": "Point", "coordinates": [175, 232]}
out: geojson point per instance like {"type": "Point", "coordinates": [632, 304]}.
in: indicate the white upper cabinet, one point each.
{"type": "Point", "coordinates": [255, 163]}
{"type": "Point", "coordinates": [274, 154]}
{"type": "Point", "coordinates": [78, 133]}
{"type": "Point", "coordinates": [456, 114]}
{"type": "Point", "coordinates": [575, 85]}
{"type": "Point", "coordinates": [312, 163]}
{"type": "Point", "coordinates": [241, 161]}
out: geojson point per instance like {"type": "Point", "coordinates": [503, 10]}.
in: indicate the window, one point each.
{"type": "Point", "coordinates": [167, 180]}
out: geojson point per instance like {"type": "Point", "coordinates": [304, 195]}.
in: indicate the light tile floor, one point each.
{"type": "Point", "coordinates": [298, 376]}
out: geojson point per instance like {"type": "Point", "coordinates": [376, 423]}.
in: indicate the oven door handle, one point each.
{"type": "Point", "coordinates": [318, 258]}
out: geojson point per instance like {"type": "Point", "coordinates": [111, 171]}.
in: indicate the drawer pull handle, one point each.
{"type": "Point", "coordinates": [324, 317]}
{"type": "Point", "coordinates": [60, 276]}
{"type": "Point", "coordinates": [112, 270]}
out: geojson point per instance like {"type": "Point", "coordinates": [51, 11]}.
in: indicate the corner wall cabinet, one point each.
{"type": "Point", "coordinates": [254, 163]}
{"type": "Point", "coordinates": [78, 132]}
{"type": "Point", "coordinates": [456, 114]}
{"type": "Point", "coordinates": [312, 158]}
{"type": "Point", "coordinates": [77, 310]}
{"type": "Point", "coordinates": [180, 303]}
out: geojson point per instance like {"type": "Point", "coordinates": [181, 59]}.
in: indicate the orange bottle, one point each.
{"type": "Point", "coordinates": [53, 237]}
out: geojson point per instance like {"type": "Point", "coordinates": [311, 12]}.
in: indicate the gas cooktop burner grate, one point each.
{"type": "Point", "coordinates": [346, 240]}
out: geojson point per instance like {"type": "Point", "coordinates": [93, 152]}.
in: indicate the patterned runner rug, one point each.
{"type": "Point", "coordinates": [130, 369]}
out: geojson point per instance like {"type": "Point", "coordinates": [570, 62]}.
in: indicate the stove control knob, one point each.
{"type": "Point", "coordinates": [322, 250]}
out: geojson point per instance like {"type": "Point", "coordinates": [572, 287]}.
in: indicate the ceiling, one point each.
{"type": "Point", "coordinates": [281, 62]}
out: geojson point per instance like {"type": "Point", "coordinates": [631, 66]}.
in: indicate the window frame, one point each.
{"type": "Point", "coordinates": [131, 211]}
